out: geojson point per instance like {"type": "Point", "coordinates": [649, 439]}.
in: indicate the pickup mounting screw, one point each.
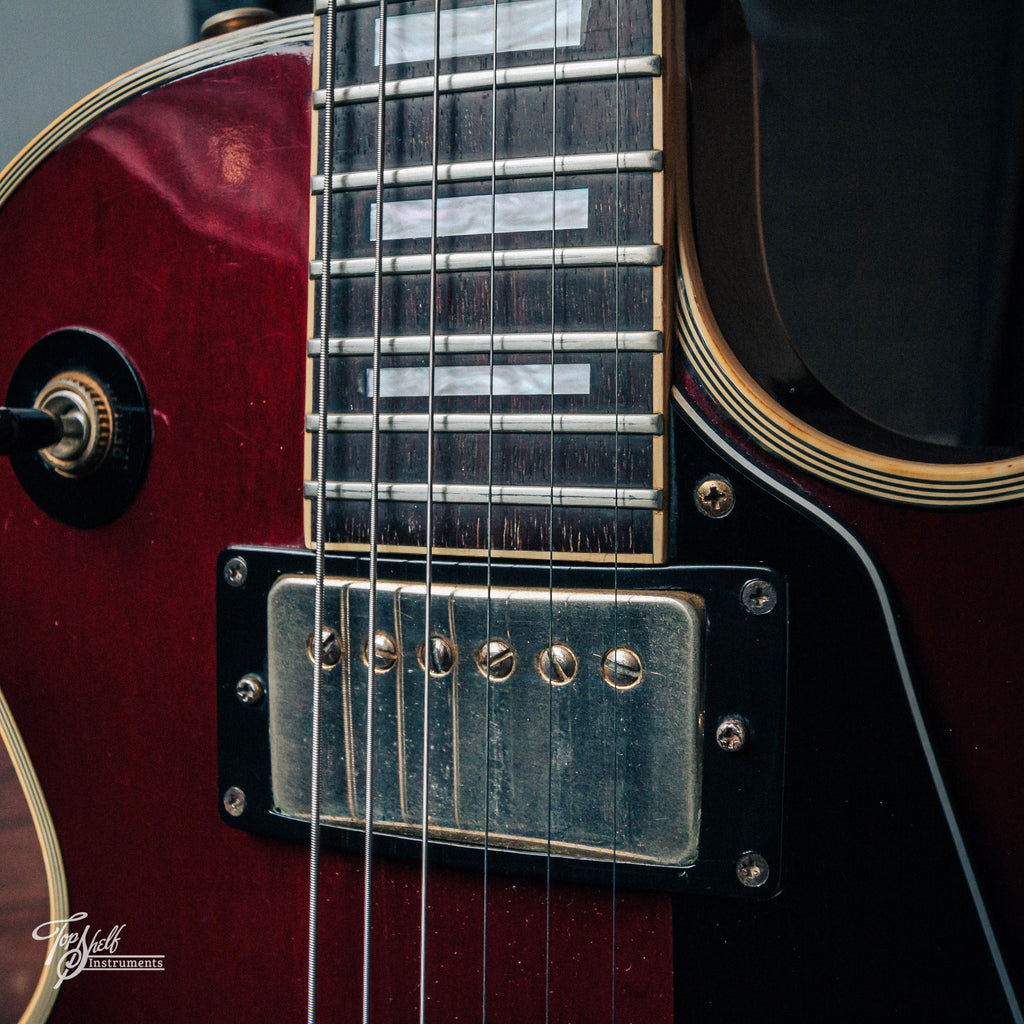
{"type": "Point", "coordinates": [236, 571]}
{"type": "Point", "coordinates": [496, 659]}
{"type": "Point", "coordinates": [331, 648]}
{"type": "Point", "coordinates": [249, 689]}
{"type": "Point", "coordinates": [622, 667]}
{"type": "Point", "coordinates": [557, 664]}
{"type": "Point", "coordinates": [758, 597]}
{"type": "Point", "coordinates": [234, 801]}
{"type": "Point", "coordinates": [752, 870]}
{"type": "Point", "coordinates": [715, 497]}
{"type": "Point", "coordinates": [442, 655]}
{"type": "Point", "coordinates": [385, 652]}
{"type": "Point", "coordinates": [731, 734]}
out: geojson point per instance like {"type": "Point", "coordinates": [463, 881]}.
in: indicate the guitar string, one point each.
{"type": "Point", "coordinates": [324, 320]}
{"type": "Point", "coordinates": [551, 517]}
{"type": "Point", "coordinates": [429, 521]}
{"type": "Point", "coordinates": [371, 639]}
{"type": "Point", "coordinates": [616, 693]}
{"type": "Point", "coordinates": [488, 682]}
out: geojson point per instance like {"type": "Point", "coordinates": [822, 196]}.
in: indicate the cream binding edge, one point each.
{"type": "Point", "coordinates": [716, 369]}
{"type": "Point", "coordinates": [45, 993]}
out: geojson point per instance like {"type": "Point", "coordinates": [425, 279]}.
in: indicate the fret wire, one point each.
{"type": "Point", "coordinates": [524, 74]}
{"type": "Point", "coordinates": [511, 167]}
{"type": "Point", "coordinates": [321, 5]}
{"type": "Point", "coordinates": [490, 422]}
{"type": "Point", "coordinates": [505, 259]}
{"type": "Point", "coordinates": [632, 498]}
{"type": "Point", "coordinates": [565, 341]}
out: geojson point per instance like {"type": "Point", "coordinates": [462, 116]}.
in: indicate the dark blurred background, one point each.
{"type": "Point", "coordinates": [890, 183]}
{"type": "Point", "coordinates": [891, 173]}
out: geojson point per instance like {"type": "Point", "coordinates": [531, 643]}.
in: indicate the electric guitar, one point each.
{"type": "Point", "coordinates": [463, 471]}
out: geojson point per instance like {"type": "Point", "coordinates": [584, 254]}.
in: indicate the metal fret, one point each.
{"type": "Point", "coordinates": [465, 344]}
{"type": "Point", "coordinates": [477, 494]}
{"type": "Point", "coordinates": [506, 423]}
{"type": "Point", "coordinates": [480, 170]}
{"type": "Point", "coordinates": [505, 259]}
{"type": "Point", "coordinates": [345, 5]}
{"type": "Point", "coordinates": [470, 81]}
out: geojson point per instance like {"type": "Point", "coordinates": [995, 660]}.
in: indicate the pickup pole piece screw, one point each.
{"type": "Point", "coordinates": [731, 734]}
{"type": "Point", "coordinates": [752, 870]}
{"type": "Point", "coordinates": [557, 664]}
{"type": "Point", "coordinates": [236, 571]}
{"type": "Point", "coordinates": [715, 497]}
{"type": "Point", "coordinates": [331, 648]}
{"type": "Point", "coordinates": [385, 652]}
{"type": "Point", "coordinates": [442, 655]}
{"type": "Point", "coordinates": [234, 801]}
{"type": "Point", "coordinates": [496, 659]}
{"type": "Point", "coordinates": [758, 597]}
{"type": "Point", "coordinates": [622, 667]}
{"type": "Point", "coordinates": [249, 689]}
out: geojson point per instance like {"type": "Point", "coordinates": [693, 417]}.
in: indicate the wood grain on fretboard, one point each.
{"type": "Point", "coordinates": [600, 472]}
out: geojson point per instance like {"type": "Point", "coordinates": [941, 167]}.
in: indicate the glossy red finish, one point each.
{"type": "Point", "coordinates": [177, 226]}
{"type": "Point", "coordinates": [952, 576]}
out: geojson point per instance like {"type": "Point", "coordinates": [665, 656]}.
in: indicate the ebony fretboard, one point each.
{"type": "Point", "coordinates": [579, 472]}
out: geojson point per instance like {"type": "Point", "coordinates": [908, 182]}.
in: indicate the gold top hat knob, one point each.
{"type": "Point", "coordinates": [234, 19]}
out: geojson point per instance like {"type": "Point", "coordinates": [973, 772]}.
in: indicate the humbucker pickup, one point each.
{"type": "Point", "coordinates": [547, 729]}
{"type": "Point", "coordinates": [580, 723]}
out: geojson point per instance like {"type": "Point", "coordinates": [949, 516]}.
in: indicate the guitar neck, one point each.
{"type": "Point", "coordinates": [535, 228]}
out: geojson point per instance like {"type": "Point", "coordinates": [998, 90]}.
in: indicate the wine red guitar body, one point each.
{"type": "Point", "coordinates": [176, 225]}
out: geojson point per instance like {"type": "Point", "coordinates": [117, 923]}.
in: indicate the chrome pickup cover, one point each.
{"type": "Point", "coordinates": [606, 762]}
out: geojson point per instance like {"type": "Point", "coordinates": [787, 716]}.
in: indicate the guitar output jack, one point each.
{"type": "Point", "coordinates": [83, 409]}
{"type": "Point", "coordinates": [81, 425]}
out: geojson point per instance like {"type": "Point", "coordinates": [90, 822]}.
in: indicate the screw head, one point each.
{"type": "Point", "coordinates": [441, 655]}
{"type": "Point", "coordinates": [715, 497]}
{"type": "Point", "coordinates": [331, 648]}
{"type": "Point", "coordinates": [732, 734]}
{"type": "Point", "coordinates": [496, 659]}
{"type": "Point", "coordinates": [385, 651]}
{"type": "Point", "coordinates": [758, 597]}
{"type": "Point", "coordinates": [236, 571]}
{"type": "Point", "coordinates": [752, 870]}
{"type": "Point", "coordinates": [234, 801]}
{"type": "Point", "coordinates": [622, 667]}
{"type": "Point", "coordinates": [249, 689]}
{"type": "Point", "coordinates": [558, 664]}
